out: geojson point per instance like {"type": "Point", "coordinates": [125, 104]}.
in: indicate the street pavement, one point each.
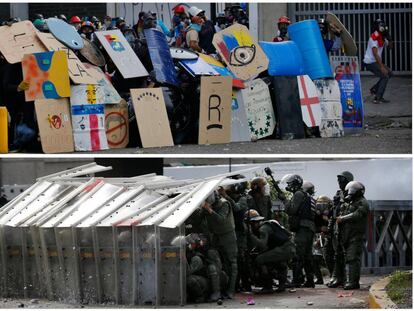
{"type": "Point", "coordinates": [320, 297]}
{"type": "Point", "coordinates": [388, 129]}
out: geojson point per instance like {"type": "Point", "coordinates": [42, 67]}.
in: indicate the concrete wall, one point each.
{"type": "Point", "coordinates": [268, 14]}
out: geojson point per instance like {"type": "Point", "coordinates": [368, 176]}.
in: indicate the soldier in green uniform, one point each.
{"type": "Point", "coordinates": [259, 197]}
{"type": "Point", "coordinates": [352, 223]}
{"type": "Point", "coordinates": [302, 223]}
{"type": "Point", "coordinates": [324, 208]}
{"type": "Point", "coordinates": [337, 278]}
{"type": "Point", "coordinates": [275, 246]}
{"type": "Point", "coordinates": [220, 221]}
{"type": "Point", "coordinates": [236, 195]}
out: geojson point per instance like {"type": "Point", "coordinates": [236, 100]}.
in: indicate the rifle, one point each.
{"type": "Point", "coordinates": [275, 183]}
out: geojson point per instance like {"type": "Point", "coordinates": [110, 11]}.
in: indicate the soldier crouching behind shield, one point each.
{"type": "Point", "coordinates": [275, 249]}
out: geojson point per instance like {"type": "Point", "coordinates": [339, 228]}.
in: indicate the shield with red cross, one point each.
{"type": "Point", "coordinates": [309, 101]}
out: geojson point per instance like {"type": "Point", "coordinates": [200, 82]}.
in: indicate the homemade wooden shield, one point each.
{"type": "Point", "coordinates": [161, 57]}
{"type": "Point", "coordinates": [19, 39]}
{"type": "Point", "coordinates": [215, 110]}
{"type": "Point", "coordinates": [55, 128]}
{"type": "Point", "coordinates": [259, 110]}
{"type": "Point", "coordinates": [242, 55]}
{"type": "Point", "coordinates": [77, 71]}
{"type": "Point", "coordinates": [47, 74]}
{"type": "Point", "coordinates": [117, 125]}
{"type": "Point", "coordinates": [152, 119]}
{"type": "Point", "coordinates": [88, 122]}
{"type": "Point", "coordinates": [92, 53]}
{"type": "Point", "coordinates": [309, 101]}
{"type": "Point", "coordinates": [65, 33]}
{"type": "Point", "coordinates": [348, 42]}
{"type": "Point", "coordinates": [110, 94]}
{"type": "Point", "coordinates": [330, 99]}
{"type": "Point", "coordinates": [287, 107]}
{"type": "Point", "coordinates": [239, 126]}
{"type": "Point", "coordinates": [121, 53]}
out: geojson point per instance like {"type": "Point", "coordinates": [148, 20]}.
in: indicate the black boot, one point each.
{"type": "Point", "coordinates": [352, 277]}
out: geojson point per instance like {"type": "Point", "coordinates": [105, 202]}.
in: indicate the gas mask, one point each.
{"type": "Point", "coordinates": [283, 30]}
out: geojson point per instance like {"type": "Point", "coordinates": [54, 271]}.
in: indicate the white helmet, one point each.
{"type": "Point", "coordinates": [194, 11]}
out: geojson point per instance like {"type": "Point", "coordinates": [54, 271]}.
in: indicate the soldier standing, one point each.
{"type": "Point", "coordinates": [337, 278]}
{"type": "Point", "coordinates": [302, 223]}
{"type": "Point", "coordinates": [220, 221]}
{"type": "Point", "coordinates": [352, 223]}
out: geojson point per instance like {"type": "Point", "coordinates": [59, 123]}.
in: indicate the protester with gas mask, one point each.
{"type": "Point", "coordinates": [87, 30]}
{"type": "Point", "coordinates": [326, 28]}
{"type": "Point", "coordinates": [379, 39]}
{"type": "Point", "coordinates": [220, 222]}
{"type": "Point", "coordinates": [193, 34]}
{"type": "Point", "coordinates": [352, 223]}
{"type": "Point", "coordinates": [207, 31]}
{"type": "Point", "coordinates": [282, 29]}
{"type": "Point", "coordinates": [259, 197]}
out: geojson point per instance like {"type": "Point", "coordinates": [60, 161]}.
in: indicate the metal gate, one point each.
{"type": "Point", "coordinates": [358, 19]}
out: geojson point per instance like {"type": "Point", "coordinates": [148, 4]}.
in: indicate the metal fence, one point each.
{"type": "Point", "coordinates": [389, 237]}
{"type": "Point", "coordinates": [358, 19]}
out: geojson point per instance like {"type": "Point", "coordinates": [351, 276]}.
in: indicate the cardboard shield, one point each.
{"type": "Point", "coordinates": [86, 94]}
{"type": "Point", "coordinates": [151, 114]}
{"type": "Point", "coordinates": [259, 110]}
{"type": "Point", "coordinates": [161, 57]}
{"type": "Point", "coordinates": [55, 128]}
{"type": "Point", "coordinates": [180, 53]}
{"type": "Point", "coordinates": [110, 94]}
{"type": "Point", "coordinates": [348, 42]}
{"type": "Point", "coordinates": [47, 74]}
{"type": "Point", "coordinates": [92, 53]}
{"type": "Point", "coordinates": [19, 39]}
{"type": "Point", "coordinates": [65, 33]}
{"type": "Point", "coordinates": [77, 71]}
{"type": "Point", "coordinates": [215, 110]}
{"type": "Point", "coordinates": [121, 53]}
{"type": "Point", "coordinates": [242, 55]}
{"type": "Point", "coordinates": [239, 125]}
{"type": "Point", "coordinates": [117, 125]}
{"type": "Point", "coordinates": [346, 71]}
{"type": "Point", "coordinates": [309, 101]}
{"type": "Point", "coordinates": [330, 100]}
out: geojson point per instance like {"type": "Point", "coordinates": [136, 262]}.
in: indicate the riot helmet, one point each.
{"type": "Point", "coordinates": [323, 205]}
{"type": "Point", "coordinates": [293, 182]}
{"type": "Point", "coordinates": [252, 216]}
{"type": "Point", "coordinates": [344, 178]}
{"type": "Point", "coordinates": [354, 189]}
{"type": "Point", "coordinates": [308, 187]}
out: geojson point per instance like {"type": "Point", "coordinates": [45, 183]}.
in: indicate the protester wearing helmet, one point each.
{"type": "Point", "coordinates": [352, 223]}
{"type": "Point", "coordinates": [274, 244]}
{"type": "Point", "coordinates": [282, 29]}
{"type": "Point", "coordinates": [259, 197]}
{"type": "Point", "coordinates": [63, 17]}
{"type": "Point", "coordinates": [41, 25]}
{"type": "Point", "coordinates": [76, 22]}
{"type": "Point", "coordinates": [337, 278]}
{"type": "Point", "coordinates": [96, 22]}
{"type": "Point", "coordinates": [206, 32]}
{"type": "Point", "coordinates": [302, 222]}
{"type": "Point", "coordinates": [178, 25]}
{"type": "Point", "coordinates": [220, 221]}
{"type": "Point", "coordinates": [331, 45]}
{"type": "Point", "coordinates": [373, 60]}
{"type": "Point", "coordinates": [87, 30]}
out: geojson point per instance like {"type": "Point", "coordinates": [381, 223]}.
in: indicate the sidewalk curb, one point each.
{"type": "Point", "coordinates": [378, 298]}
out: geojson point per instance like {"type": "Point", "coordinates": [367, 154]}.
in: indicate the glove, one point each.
{"type": "Point", "coordinates": [23, 86]}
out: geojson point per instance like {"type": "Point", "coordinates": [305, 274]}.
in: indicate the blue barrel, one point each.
{"type": "Point", "coordinates": [307, 36]}
{"type": "Point", "coordinates": [285, 58]}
